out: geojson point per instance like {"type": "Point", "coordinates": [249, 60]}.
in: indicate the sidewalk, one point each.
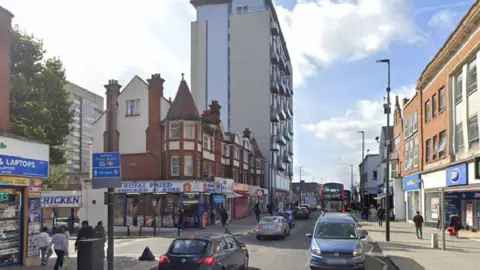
{"type": "Point", "coordinates": [408, 252]}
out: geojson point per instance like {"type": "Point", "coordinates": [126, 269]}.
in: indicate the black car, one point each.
{"type": "Point", "coordinates": [205, 251]}
{"type": "Point", "coordinates": [302, 212]}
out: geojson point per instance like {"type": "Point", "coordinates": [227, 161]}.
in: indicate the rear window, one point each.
{"type": "Point", "coordinates": [188, 246]}
{"type": "Point", "coordinates": [269, 219]}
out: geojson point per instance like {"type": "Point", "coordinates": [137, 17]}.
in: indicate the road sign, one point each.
{"type": "Point", "coordinates": [106, 170]}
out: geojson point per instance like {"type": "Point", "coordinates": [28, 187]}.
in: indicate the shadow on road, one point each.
{"type": "Point", "coordinates": [405, 263]}
{"type": "Point", "coordinates": [392, 246]}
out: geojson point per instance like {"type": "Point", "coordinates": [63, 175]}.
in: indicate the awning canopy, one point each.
{"type": "Point", "coordinates": [379, 197]}
{"type": "Point", "coordinates": [231, 195]}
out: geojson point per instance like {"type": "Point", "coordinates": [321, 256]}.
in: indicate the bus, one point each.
{"type": "Point", "coordinates": [333, 197]}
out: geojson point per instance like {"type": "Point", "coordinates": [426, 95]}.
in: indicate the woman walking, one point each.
{"type": "Point", "coordinates": [59, 243]}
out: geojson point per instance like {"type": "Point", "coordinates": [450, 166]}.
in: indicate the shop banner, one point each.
{"type": "Point", "coordinates": [255, 191]}
{"type": "Point", "coordinates": [20, 181]}
{"type": "Point", "coordinates": [198, 186]}
{"type": "Point", "coordinates": [136, 187]}
{"type": "Point", "coordinates": [18, 166]}
{"type": "Point", "coordinates": [240, 187]}
{"type": "Point", "coordinates": [34, 218]}
{"type": "Point", "coordinates": [457, 175]}
{"type": "Point", "coordinates": [223, 185]}
{"type": "Point", "coordinates": [62, 201]}
{"type": "Point", "coordinates": [219, 198]}
{"type": "Point", "coordinates": [166, 187]}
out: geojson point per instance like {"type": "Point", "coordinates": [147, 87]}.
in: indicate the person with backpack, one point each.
{"type": "Point", "coordinates": [99, 232]}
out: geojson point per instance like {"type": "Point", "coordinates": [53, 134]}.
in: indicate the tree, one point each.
{"type": "Point", "coordinates": [40, 108]}
{"type": "Point", "coordinates": [57, 175]}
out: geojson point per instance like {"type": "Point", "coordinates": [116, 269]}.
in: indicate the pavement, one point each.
{"type": "Point", "coordinates": [405, 251]}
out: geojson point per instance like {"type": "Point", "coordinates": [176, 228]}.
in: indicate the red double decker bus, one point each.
{"type": "Point", "coordinates": [333, 197]}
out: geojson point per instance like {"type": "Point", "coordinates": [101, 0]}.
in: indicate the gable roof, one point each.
{"type": "Point", "coordinates": [256, 148]}
{"type": "Point", "coordinates": [183, 107]}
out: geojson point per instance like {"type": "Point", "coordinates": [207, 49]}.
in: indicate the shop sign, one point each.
{"type": "Point", "coordinates": [34, 192]}
{"type": "Point", "coordinates": [18, 166]}
{"type": "Point", "coordinates": [412, 182]}
{"type": "Point", "coordinates": [61, 201]}
{"type": "Point", "coordinates": [470, 196]}
{"type": "Point", "coordinates": [240, 187]}
{"type": "Point", "coordinates": [223, 185]}
{"type": "Point", "coordinates": [136, 187]}
{"type": "Point", "coordinates": [219, 198]}
{"type": "Point", "coordinates": [168, 187]}
{"type": "Point", "coordinates": [452, 205]}
{"type": "Point", "coordinates": [457, 175]}
{"type": "Point", "coordinates": [14, 181]}
{"type": "Point", "coordinates": [198, 186]}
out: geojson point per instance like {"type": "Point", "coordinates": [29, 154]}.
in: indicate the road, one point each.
{"type": "Point", "coordinates": [288, 254]}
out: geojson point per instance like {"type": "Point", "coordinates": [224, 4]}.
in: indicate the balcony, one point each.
{"type": "Point", "coordinates": [280, 165]}
{"type": "Point", "coordinates": [273, 28]}
{"type": "Point", "coordinates": [287, 111]}
{"type": "Point", "coordinates": [281, 112]}
{"type": "Point", "coordinates": [290, 151]}
{"type": "Point", "coordinates": [274, 55]}
{"type": "Point", "coordinates": [274, 114]}
{"type": "Point", "coordinates": [286, 135]}
{"type": "Point", "coordinates": [274, 83]}
{"type": "Point", "coordinates": [282, 86]}
{"type": "Point", "coordinates": [273, 145]}
{"type": "Point", "coordinates": [288, 91]}
{"type": "Point", "coordinates": [288, 69]}
{"type": "Point", "coordinates": [287, 159]}
{"type": "Point", "coordinates": [281, 62]}
{"type": "Point", "coordinates": [280, 139]}
{"type": "Point", "coordinates": [290, 130]}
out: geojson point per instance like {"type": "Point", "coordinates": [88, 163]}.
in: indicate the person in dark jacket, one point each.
{"type": "Point", "coordinates": [418, 220]}
{"type": "Point", "coordinates": [224, 216]}
{"type": "Point", "coordinates": [99, 232]}
{"type": "Point", "coordinates": [380, 215]}
{"type": "Point", "coordinates": [455, 223]}
{"type": "Point", "coordinates": [181, 220]}
{"type": "Point", "coordinates": [257, 212]}
{"type": "Point", "coordinates": [270, 209]}
{"type": "Point", "coordinates": [86, 232]}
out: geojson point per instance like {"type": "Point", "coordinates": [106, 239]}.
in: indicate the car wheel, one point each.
{"type": "Point", "coordinates": [245, 263]}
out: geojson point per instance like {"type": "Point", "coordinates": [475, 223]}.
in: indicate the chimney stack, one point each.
{"type": "Point", "coordinates": [247, 133]}
{"type": "Point", "coordinates": [5, 60]}
{"type": "Point", "coordinates": [405, 100]}
{"type": "Point", "coordinates": [113, 91]}
{"type": "Point", "coordinates": [215, 111]}
{"type": "Point", "coordinates": [154, 130]}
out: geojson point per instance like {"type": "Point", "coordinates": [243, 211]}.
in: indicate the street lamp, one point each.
{"type": "Point", "coordinates": [301, 184]}
{"type": "Point", "coordinates": [351, 184]}
{"type": "Point", "coordinates": [386, 109]}
{"type": "Point", "coordinates": [361, 171]}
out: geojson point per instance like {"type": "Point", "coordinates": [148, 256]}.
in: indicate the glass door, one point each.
{"type": "Point", "coordinates": [10, 225]}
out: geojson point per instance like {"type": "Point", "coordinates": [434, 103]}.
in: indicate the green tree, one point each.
{"type": "Point", "coordinates": [57, 175]}
{"type": "Point", "coordinates": [40, 108]}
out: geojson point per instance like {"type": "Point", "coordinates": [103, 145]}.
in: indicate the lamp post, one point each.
{"type": "Point", "coordinates": [386, 109]}
{"type": "Point", "coordinates": [361, 171]}
{"type": "Point", "coordinates": [301, 185]}
{"type": "Point", "coordinates": [351, 183]}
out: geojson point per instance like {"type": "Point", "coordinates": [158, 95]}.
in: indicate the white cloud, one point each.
{"type": "Point", "coordinates": [326, 31]}
{"type": "Point", "coordinates": [444, 18]}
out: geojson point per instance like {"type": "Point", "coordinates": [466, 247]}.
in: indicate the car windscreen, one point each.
{"type": "Point", "coordinates": [326, 230]}
{"type": "Point", "coordinates": [284, 215]}
{"type": "Point", "coordinates": [188, 246]}
{"type": "Point", "coordinates": [269, 220]}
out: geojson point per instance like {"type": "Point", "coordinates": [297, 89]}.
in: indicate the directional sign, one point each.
{"type": "Point", "coordinates": [106, 171]}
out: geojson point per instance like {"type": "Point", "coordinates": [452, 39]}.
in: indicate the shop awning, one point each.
{"type": "Point", "coordinates": [380, 197]}
{"type": "Point", "coordinates": [231, 195]}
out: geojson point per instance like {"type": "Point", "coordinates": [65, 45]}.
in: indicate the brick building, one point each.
{"type": "Point", "coordinates": [174, 158]}
{"type": "Point", "coordinates": [397, 162]}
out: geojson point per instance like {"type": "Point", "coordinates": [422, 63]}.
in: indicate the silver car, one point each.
{"type": "Point", "coordinates": [272, 226]}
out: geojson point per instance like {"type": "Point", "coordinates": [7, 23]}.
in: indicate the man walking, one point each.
{"type": "Point", "coordinates": [418, 220]}
{"type": "Point", "coordinates": [380, 215]}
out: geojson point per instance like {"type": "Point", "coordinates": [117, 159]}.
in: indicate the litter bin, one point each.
{"type": "Point", "coordinates": [90, 254]}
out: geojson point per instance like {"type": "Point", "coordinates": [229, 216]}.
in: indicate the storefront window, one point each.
{"type": "Point", "coordinates": [432, 207]}
{"type": "Point", "coordinates": [147, 209]}
{"type": "Point", "coordinates": [118, 205]}
{"type": "Point", "coordinates": [10, 219]}
{"type": "Point", "coordinates": [170, 211]}
{"type": "Point", "coordinates": [132, 209]}
{"type": "Point", "coordinates": [191, 204]}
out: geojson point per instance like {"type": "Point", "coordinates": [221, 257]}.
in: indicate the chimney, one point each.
{"type": "Point", "coordinates": [215, 111]}
{"type": "Point", "coordinates": [154, 131]}
{"type": "Point", "coordinates": [405, 100]}
{"type": "Point", "coordinates": [247, 133]}
{"type": "Point", "coordinates": [397, 103]}
{"type": "Point", "coordinates": [113, 91]}
{"type": "Point", "coordinates": [5, 59]}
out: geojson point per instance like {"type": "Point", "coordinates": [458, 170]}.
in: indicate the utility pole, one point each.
{"type": "Point", "coordinates": [351, 187]}
{"type": "Point", "coordinates": [362, 166]}
{"type": "Point", "coordinates": [386, 108]}
{"type": "Point", "coordinates": [301, 185]}
{"type": "Point", "coordinates": [442, 218]}
{"type": "Point", "coordinates": [111, 138]}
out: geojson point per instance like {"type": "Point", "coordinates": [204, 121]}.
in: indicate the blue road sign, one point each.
{"type": "Point", "coordinates": [106, 165]}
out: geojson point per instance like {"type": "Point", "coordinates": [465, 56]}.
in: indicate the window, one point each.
{"type": "Point", "coordinates": [174, 131]}
{"type": "Point", "coordinates": [428, 150]}
{"type": "Point", "coordinates": [199, 134]}
{"type": "Point", "coordinates": [406, 153]}
{"type": "Point", "coordinates": [442, 144]}
{"type": "Point", "coordinates": [188, 130]}
{"type": "Point", "coordinates": [458, 88]}
{"type": "Point", "coordinates": [198, 168]}
{"type": "Point", "coordinates": [133, 107]}
{"type": "Point", "coordinates": [473, 131]}
{"type": "Point", "coordinates": [227, 150]}
{"type": "Point", "coordinates": [415, 149]}
{"type": "Point", "coordinates": [405, 129]}
{"type": "Point", "coordinates": [434, 147]}
{"type": "Point", "coordinates": [245, 156]}
{"type": "Point", "coordinates": [258, 164]}
{"type": "Point", "coordinates": [441, 94]}
{"type": "Point", "coordinates": [175, 166]}
{"type": "Point", "coordinates": [427, 111]}
{"type": "Point", "coordinates": [222, 172]}
{"type": "Point", "coordinates": [237, 153]}
{"type": "Point", "coordinates": [205, 170]}
{"type": "Point", "coordinates": [212, 144]}
{"type": "Point", "coordinates": [188, 166]}
{"type": "Point", "coordinates": [472, 77]}
{"type": "Point", "coordinates": [434, 106]}
{"type": "Point", "coordinates": [459, 147]}
{"type": "Point", "coordinates": [414, 122]}
{"type": "Point", "coordinates": [410, 126]}
{"type": "Point", "coordinates": [205, 143]}
{"type": "Point", "coordinates": [374, 175]}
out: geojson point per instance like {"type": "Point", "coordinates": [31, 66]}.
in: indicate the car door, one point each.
{"type": "Point", "coordinates": [236, 252]}
{"type": "Point", "coordinates": [221, 253]}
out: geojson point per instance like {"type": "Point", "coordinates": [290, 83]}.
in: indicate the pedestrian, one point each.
{"type": "Point", "coordinates": [257, 212]}
{"type": "Point", "coordinates": [380, 215]}
{"type": "Point", "coordinates": [373, 213]}
{"type": "Point", "coordinates": [224, 216]}
{"type": "Point", "coordinates": [86, 232]}
{"type": "Point", "coordinates": [181, 220]}
{"type": "Point", "coordinates": [270, 209]}
{"type": "Point", "coordinates": [99, 232]}
{"type": "Point", "coordinates": [212, 217]}
{"type": "Point", "coordinates": [418, 220]}
{"type": "Point", "coordinates": [59, 243]}
{"type": "Point", "coordinates": [43, 241]}
{"type": "Point", "coordinates": [66, 232]}
{"type": "Point", "coordinates": [455, 224]}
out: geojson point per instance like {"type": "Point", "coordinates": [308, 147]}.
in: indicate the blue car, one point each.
{"type": "Point", "coordinates": [288, 216]}
{"type": "Point", "coordinates": [336, 244]}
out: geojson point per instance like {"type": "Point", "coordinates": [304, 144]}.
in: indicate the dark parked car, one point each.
{"type": "Point", "coordinates": [302, 212]}
{"type": "Point", "coordinates": [205, 251]}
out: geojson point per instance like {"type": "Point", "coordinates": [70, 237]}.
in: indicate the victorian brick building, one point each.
{"type": "Point", "coordinates": [173, 157]}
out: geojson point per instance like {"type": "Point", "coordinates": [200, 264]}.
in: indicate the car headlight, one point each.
{"type": "Point", "coordinates": [316, 251]}
{"type": "Point", "coordinates": [358, 252]}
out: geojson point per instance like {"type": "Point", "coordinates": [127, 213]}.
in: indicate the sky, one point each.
{"type": "Point", "coordinates": [339, 89]}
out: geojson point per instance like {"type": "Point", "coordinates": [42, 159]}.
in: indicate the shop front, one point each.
{"type": "Point", "coordinates": [432, 183]}
{"type": "Point", "coordinates": [281, 199]}
{"type": "Point", "coordinates": [240, 203]}
{"type": "Point", "coordinates": [457, 197]}
{"type": "Point", "coordinates": [20, 211]}
{"type": "Point", "coordinates": [256, 195]}
{"type": "Point", "coordinates": [224, 196]}
{"type": "Point", "coordinates": [61, 208]}
{"type": "Point", "coordinates": [149, 204]}
{"type": "Point", "coordinates": [412, 186]}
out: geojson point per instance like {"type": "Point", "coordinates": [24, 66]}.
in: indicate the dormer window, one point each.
{"type": "Point", "coordinates": [258, 164]}
{"type": "Point", "coordinates": [174, 131]}
{"type": "Point", "coordinates": [188, 130]}
{"type": "Point", "coordinates": [237, 153]}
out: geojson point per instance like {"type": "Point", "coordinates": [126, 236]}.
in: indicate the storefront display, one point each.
{"type": "Point", "coordinates": [432, 207]}
{"type": "Point", "coordinates": [412, 185]}
{"type": "Point", "coordinates": [10, 225]}
{"type": "Point", "coordinates": [34, 219]}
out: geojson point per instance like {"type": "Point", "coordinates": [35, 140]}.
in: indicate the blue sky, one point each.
{"type": "Point", "coordinates": [333, 45]}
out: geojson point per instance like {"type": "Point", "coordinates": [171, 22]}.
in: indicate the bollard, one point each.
{"type": "Point", "coordinates": [434, 240]}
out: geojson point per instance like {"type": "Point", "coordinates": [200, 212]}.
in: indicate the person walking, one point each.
{"type": "Point", "coordinates": [380, 215]}
{"type": "Point", "coordinates": [418, 220]}
{"type": "Point", "coordinates": [59, 243]}
{"type": "Point", "coordinates": [270, 209]}
{"type": "Point", "coordinates": [455, 224]}
{"type": "Point", "coordinates": [99, 232]}
{"type": "Point", "coordinates": [257, 212]}
{"type": "Point", "coordinates": [212, 217]}
{"type": "Point", "coordinates": [224, 216]}
{"type": "Point", "coordinates": [43, 241]}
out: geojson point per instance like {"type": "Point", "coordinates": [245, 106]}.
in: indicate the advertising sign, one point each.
{"type": "Point", "coordinates": [34, 218]}
{"type": "Point", "coordinates": [62, 201]}
{"type": "Point", "coordinates": [169, 187]}
{"type": "Point", "coordinates": [457, 175]}
{"type": "Point", "coordinates": [453, 204]}
{"type": "Point", "coordinates": [18, 166]}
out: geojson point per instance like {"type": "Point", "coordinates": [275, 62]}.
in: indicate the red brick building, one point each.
{"type": "Point", "coordinates": [174, 158]}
